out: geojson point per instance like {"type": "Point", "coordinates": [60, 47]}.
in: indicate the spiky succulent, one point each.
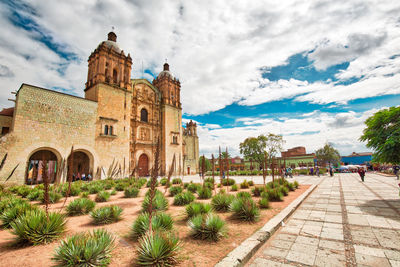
{"type": "Point", "coordinates": [221, 202]}
{"type": "Point", "coordinates": [106, 215]}
{"type": "Point", "coordinates": [159, 221]}
{"type": "Point", "coordinates": [80, 206]}
{"type": "Point", "coordinates": [245, 209]}
{"type": "Point", "coordinates": [207, 226]}
{"type": "Point", "coordinates": [196, 208]}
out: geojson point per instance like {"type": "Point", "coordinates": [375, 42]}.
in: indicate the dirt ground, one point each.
{"type": "Point", "coordinates": [192, 253]}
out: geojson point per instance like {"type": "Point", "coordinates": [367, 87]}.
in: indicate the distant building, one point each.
{"type": "Point", "coordinates": [297, 157]}
{"type": "Point", "coordinates": [357, 158]}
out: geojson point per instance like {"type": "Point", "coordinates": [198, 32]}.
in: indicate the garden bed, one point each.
{"type": "Point", "coordinates": [192, 253]}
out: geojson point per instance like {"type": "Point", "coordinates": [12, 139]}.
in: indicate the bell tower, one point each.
{"type": "Point", "coordinates": [169, 86]}
{"type": "Point", "coordinates": [109, 65]}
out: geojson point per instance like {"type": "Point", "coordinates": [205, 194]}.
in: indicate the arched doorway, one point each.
{"type": "Point", "coordinates": [81, 165]}
{"type": "Point", "coordinates": [35, 166]}
{"type": "Point", "coordinates": [143, 165]}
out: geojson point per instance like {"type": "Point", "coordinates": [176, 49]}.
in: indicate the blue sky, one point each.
{"type": "Point", "coordinates": [311, 71]}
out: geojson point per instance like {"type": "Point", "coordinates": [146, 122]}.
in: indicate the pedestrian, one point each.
{"type": "Point", "coordinates": [396, 170]}
{"type": "Point", "coordinates": [361, 172]}
{"type": "Point", "coordinates": [317, 171]}
{"type": "Point", "coordinates": [331, 171]}
{"type": "Point", "coordinates": [89, 177]}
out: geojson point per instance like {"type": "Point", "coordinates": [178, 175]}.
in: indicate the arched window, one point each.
{"type": "Point", "coordinates": [106, 130]}
{"type": "Point", "coordinates": [110, 131]}
{"type": "Point", "coordinates": [143, 115]}
{"type": "Point", "coordinates": [115, 76]}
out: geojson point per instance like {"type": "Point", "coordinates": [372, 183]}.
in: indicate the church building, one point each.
{"type": "Point", "coordinates": [113, 130]}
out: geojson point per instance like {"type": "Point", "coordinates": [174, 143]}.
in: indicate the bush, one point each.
{"type": "Point", "coordinates": [34, 228]}
{"type": "Point", "coordinates": [35, 194]}
{"type": "Point", "coordinates": [102, 196]}
{"type": "Point", "coordinates": [80, 206]}
{"type": "Point", "coordinates": [54, 197]}
{"type": "Point", "coordinates": [84, 194]}
{"type": "Point", "coordinates": [221, 202]}
{"type": "Point", "coordinates": [291, 187]}
{"type": "Point", "coordinates": [208, 226]}
{"type": "Point", "coordinates": [176, 181]}
{"type": "Point", "coordinates": [106, 215]}
{"type": "Point", "coordinates": [113, 192]}
{"type": "Point", "coordinates": [243, 195]}
{"type": "Point", "coordinates": [120, 187]}
{"type": "Point", "coordinates": [263, 203]}
{"type": "Point", "coordinates": [256, 191]}
{"type": "Point", "coordinates": [174, 190]}
{"type": "Point", "coordinates": [9, 202]}
{"type": "Point", "coordinates": [158, 249]}
{"type": "Point", "coordinates": [9, 215]}
{"type": "Point", "coordinates": [74, 191]}
{"type": "Point", "coordinates": [228, 181]}
{"type": "Point", "coordinates": [275, 194]}
{"type": "Point", "coordinates": [159, 221]}
{"type": "Point", "coordinates": [163, 181]}
{"type": "Point", "coordinates": [142, 182]}
{"type": "Point", "coordinates": [160, 203]}
{"type": "Point", "coordinates": [234, 187]}
{"type": "Point", "coordinates": [296, 184]}
{"type": "Point", "coordinates": [204, 193]}
{"type": "Point", "coordinates": [131, 192]}
{"type": "Point", "coordinates": [193, 187]}
{"type": "Point", "coordinates": [244, 185]}
{"type": "Point", "coordinates": [183, 198]}
{"type": "Point", "coordinates": [85, 249]}
{"type": "Point", "coordinates": [245, 209]}
{"type": "Point", "coordinates": [209, 180]}
{"type": "Point", "coordinates": [94, 189]}
{"type": "Point", "coordinates": [209, 185]}
{"type": "Point", "coordinates": [196, 208]}
{"type": "Point", "coordinates": [284, 190]}
{"type": "Point", "coordinates": [149, 183]}
{"type": "Point", "coordinates": [251, 183]}
{"type": "Point", "coordinates": [23, 190]}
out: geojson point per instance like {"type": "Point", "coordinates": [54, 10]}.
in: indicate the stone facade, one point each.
{"type": "Point", "coordinates": [118, 123]}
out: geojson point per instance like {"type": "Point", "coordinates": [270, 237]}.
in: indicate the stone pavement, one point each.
{"type": "Point", "coordinates": [344, 222]}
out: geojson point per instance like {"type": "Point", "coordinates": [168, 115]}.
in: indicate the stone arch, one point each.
{"type": "Point", "coordinates": [84, 162]}
{"type": "Point", "coordinates": [34, 165]}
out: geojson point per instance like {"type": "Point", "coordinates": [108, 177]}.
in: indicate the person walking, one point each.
{"type": "Point", "coordinates": [317, 171]}
{"type": "Point", "coordinates": [396, 170]}
{"type": "Point", "coordinates": [361, 172]}
{"type": "Point", "coordinates": [331, 171]}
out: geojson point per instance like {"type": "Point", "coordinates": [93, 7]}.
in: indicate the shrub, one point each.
{"type": "Point", "coordinates": [54, 197]}
{"type": "Point", "coordinates": [158, 249]}
{"type": "Point", "coordinates": [243, 194]}
{"type": "Point", "coordinates": [131, 192]}
{"type": "Point", "coordinates": [142, 182]}
{"type": "Point", "coordinates": [80, 206]}
{"type": "Point", "coordinates": [160, 203]}
{"type": "Point", "coordinates": [35, 194]}
{"type": "Point", "coordinates": [204, 193]}
{"type": "Point", "coordinates": [176, 181]}
{"type": "Point", "coordinates": [183, 198]}
{"type": "Point", "coordinates": [291, 187]}
{"type": "Point", "coordinates": [84, 194]}
{"type": "Point", "coordinates": [193, 187]}
{"type": "Point", "coordinates": [228, 181]}
{"type": "Point", "coordinates": [85, 249]}
{"type": "Point", "coordinates": [221, 202]}
{"type": "Point", "coordinates": [256, 191]}
{"type": "Point", "coordinates": [9, 202]}
{"type": "Point", "coordinates": [23, 190]}
{"type": "Point", "coordinates": [209, 185]}
{"type": "Point", "coordinates": [284, 190]}
{"type": "Point", "coordinates": [102, 196]}
{"type": "Point", "coordinates": [209, 180]}
{"type": "Point", "coordinates": [106, 215]}
{"type": "Point", "coordinates": [185, 185]}
{"type": "Point", "coordinates": [94, 189]}
{"type": "Point", "coordinates": [244, 185]}
{"type": "Point", "coordinates": [159, 221]}
{"type": "Point", "coordinates": [9, 215]}
{"type": "Point", "coordinates": [245, 209]}
{"type": "Point", "coordinates": [113, 192]}
{"type": "Point", "coordinates": [196, 208]}
{"type": "Point", "coordinates": [263, 203]}
{"type": "Point", "coordinates": [149, 183]}
{"type": "Point", "coordinates": [174, 190]}
{"type": "Point", "coordinates": [120, 187]}
{"type": "Point", "coordinates": [275, 194]}
{"type": "Point", "coordinates": [34, 228]}
{"type": "Point", "coordinates": [208, 226]}
{"type": "Point", "coordinates": [108, 186]}
{"type": "Point", "coordinates": [234, 187]}
{"type": "Point", "coordinates": [251, 183]}
{"type": "Point", "coordinates": [74, 191]}
{"type": "Point", "coordinates": [296, 184]}
{"type": "Point", "coordinates": [163, 181]}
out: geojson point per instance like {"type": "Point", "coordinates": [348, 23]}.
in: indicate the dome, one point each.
{"type": "Point", "coordinates": [166, 72]}
{"type": "Point", "coordinates": [111, 42]}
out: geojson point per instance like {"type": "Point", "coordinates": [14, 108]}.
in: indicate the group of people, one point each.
{"type": "Point", "coordinates": [82, 177]}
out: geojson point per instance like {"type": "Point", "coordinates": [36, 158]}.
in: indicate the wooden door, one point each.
{"type": "Point", "coordinates": [143, 165]}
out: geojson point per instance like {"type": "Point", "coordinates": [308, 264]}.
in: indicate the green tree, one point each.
{"type": "Point", "coordinates": [383, 135]}
{"type": "Point", "coordinates": [328, 154]}
{"type": "Point", "coordinates": [207, 163]}
{"type": "Point", "coordinates": [274, 146]}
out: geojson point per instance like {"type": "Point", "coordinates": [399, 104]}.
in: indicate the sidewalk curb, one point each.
{"type": "Point", "coordinates": [242, 254]}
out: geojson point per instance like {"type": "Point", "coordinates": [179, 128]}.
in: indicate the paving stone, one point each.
{"type": "Point", "coordinates": [276, 252]}
{"type": "Point", "coordinates": [372, 260]}
{"type": "Point", "coordinates": [392, 254]}
{"type": "Point", "coordinates": [307, 240]}
{"type": "Point", "coordinates": [301, 247]}
{"type": "Point", "coordinates": [334, 245]}
{"type": "Point", "coordinates": [394, 263]}
{"type": "Point", "coordinates": [291, 230]}
{"type": "Point", "coordinates": [301, 257]}
{"type": "Point", "coordinates": [286, 237]}
{"type": "Point", "coordinates": [326, 257]}
{"type": "Point", "coordinates": [282, 244]}
{"type": "Point", "coordinates": [369, 251]}
{"type": "Point", "coordinates": [261, 262]}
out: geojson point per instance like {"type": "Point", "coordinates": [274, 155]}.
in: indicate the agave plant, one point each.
{"type": "Point", "coordinates": [243, 194]}
{"type": "Point", "coordinates": [183, 198]}
{"type": "Point", "coordinates": [263, 203]}
{"type": "Point", "coordinates": [158, 249]}
{"type": "Point", "coordinates": [85, 249]}
{"type": "Point", "coordinates": [34, 227]}
{"type": "Point", "coordinates": [80, 206]}
{"type": "Point", "coordinates": [204, 193]}
{"type": "Point", "coordinates": [131, 192]}
{"type": "Point", "coordinates": [102, 196]}
{"type": "Point", "coordinates": [174, 190]}
{"type": "Point", "coordinates": [9, 215]}
{"type": "Point", "coordinates": [197, 208]}
{"type": "Point", "coordinates": [245, 209]}
{"type": "Point", "coordinates": [159, 203]}
{"type": "Point", "coordinates": [106, 215]}
{"type": "Point", "coordinates": [221, 202]}
{"type": "Point", "coordinates": [207, 226]}
{"type": "Point", "coordinates": [159, 221]}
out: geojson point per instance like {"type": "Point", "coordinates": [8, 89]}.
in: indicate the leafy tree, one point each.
{"type": "Point", "coordinates": [207, 163]}
{"type": "Point", "coordinates": [383, 135]}
{"type": "Point", "coordinates": [274, 146]}
{"type": "Point", "coordinates": [328, 154]}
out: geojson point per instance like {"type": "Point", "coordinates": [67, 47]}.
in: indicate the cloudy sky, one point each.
{"type": "Point", "coordinates": [312, 71]}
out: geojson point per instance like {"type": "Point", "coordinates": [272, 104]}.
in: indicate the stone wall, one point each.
{"type": "Point", "coordinates": [191, 154]}
{"type": "Point", "coordinates": [5, 121]}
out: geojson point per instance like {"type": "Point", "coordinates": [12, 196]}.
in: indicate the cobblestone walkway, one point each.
{"type": "Point", "coordinates": [344, 222]}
